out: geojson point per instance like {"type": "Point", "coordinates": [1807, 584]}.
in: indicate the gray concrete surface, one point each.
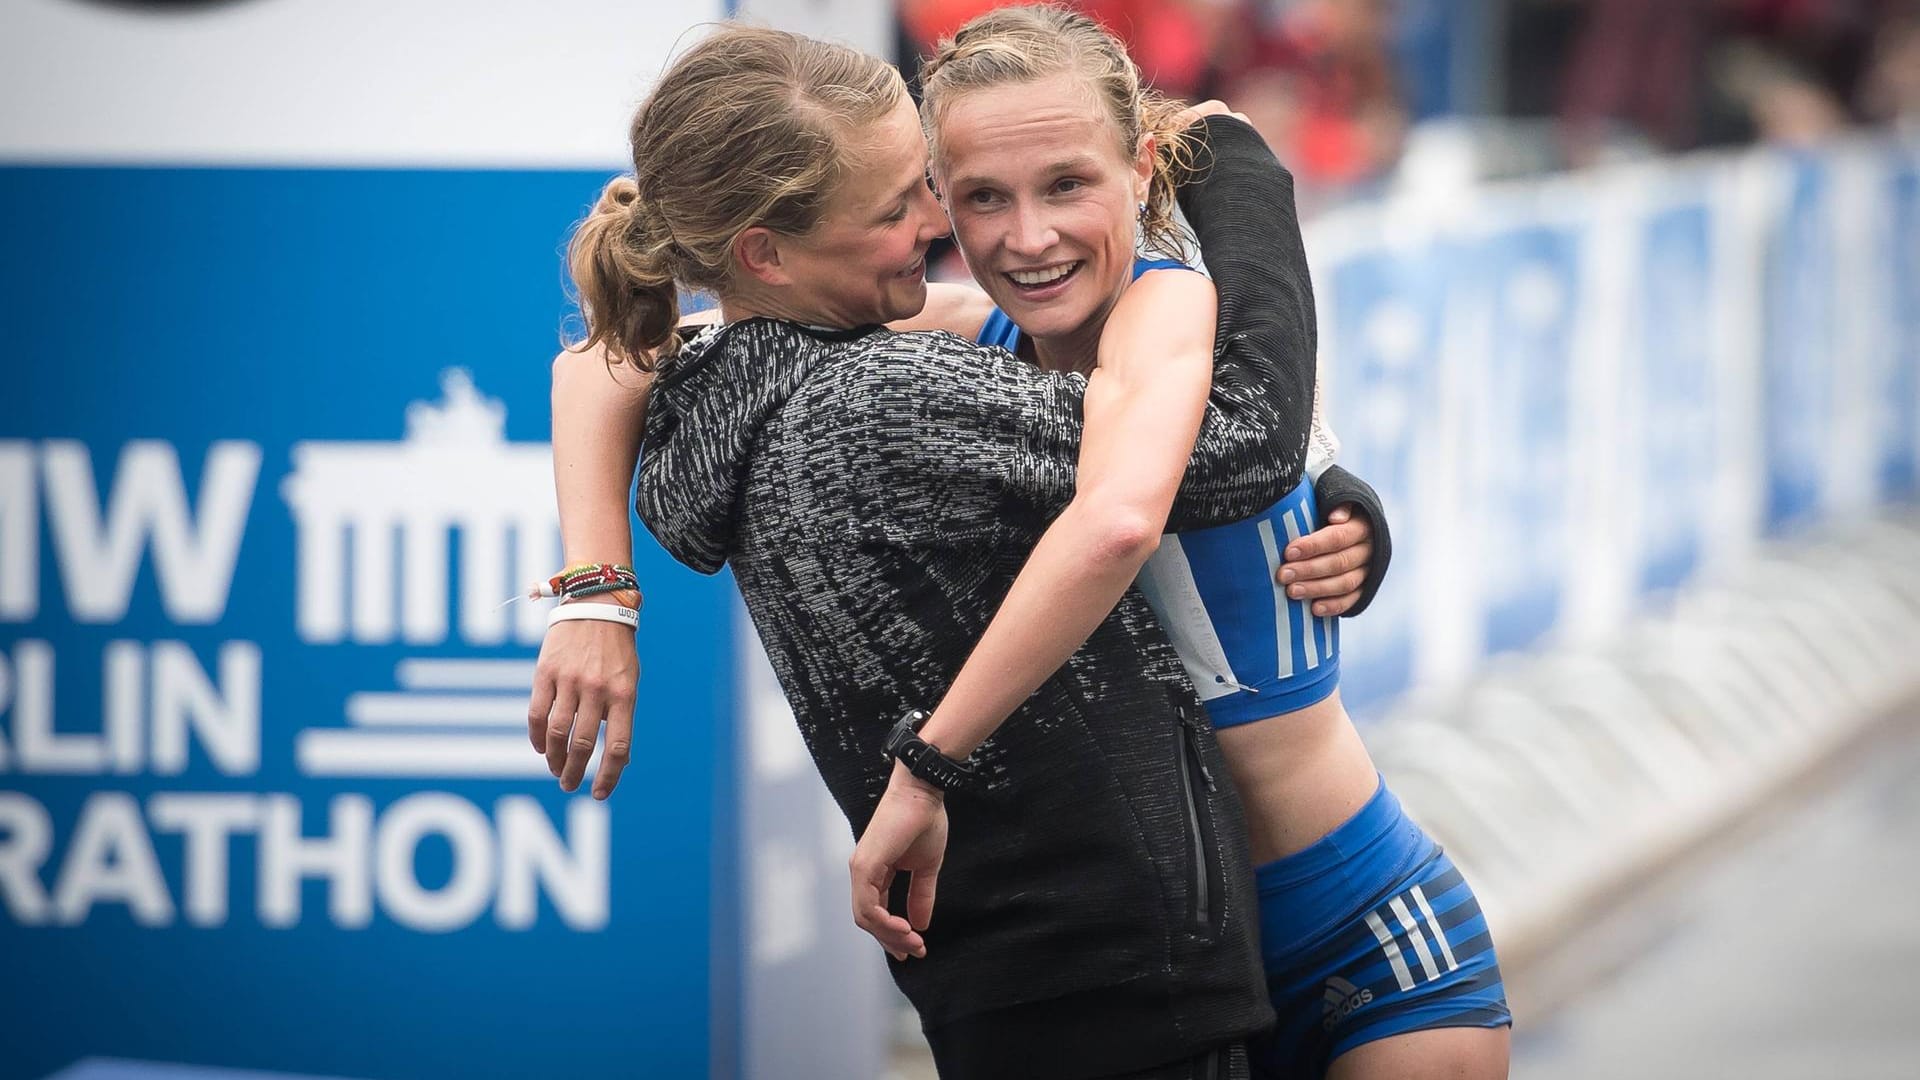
{"type": "Point", "coordinates": [1791, 950]}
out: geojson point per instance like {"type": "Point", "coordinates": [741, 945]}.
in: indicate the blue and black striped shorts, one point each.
{"type": "Point", "coordinates": [1370, 933]}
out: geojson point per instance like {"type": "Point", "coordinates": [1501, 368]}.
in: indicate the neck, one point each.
{"type": "Point", "coordinates": [1077, 351]}
{"type": "Point", "coordinates": [773, 305]}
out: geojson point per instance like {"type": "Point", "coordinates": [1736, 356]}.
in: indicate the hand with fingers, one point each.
{"type": "Point", "coordinates": [1193, 114]}
{"type": "Point", "coordinates": [1328, 565]}
{"type": "Point", "coordinates": [587, 675]}
{"type": "Point", "coordinates": [907, 834]}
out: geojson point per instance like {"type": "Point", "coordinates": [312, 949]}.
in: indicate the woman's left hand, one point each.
{"type": "Point", "coordinates": [1193, 114]}
{"type": "Point", "coordinates": [1328, 565]}
{"type": "Point", "coordinates": [908, 832]}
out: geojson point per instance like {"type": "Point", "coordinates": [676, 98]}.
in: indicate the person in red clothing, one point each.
{"type": "Point", "coordinates": [1172, 41]}
{"type": "Point", "coordinates": [1318, 79]}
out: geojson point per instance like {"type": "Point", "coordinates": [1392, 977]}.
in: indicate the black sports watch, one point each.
{"type": "Point", "coordinates": [923, 759]}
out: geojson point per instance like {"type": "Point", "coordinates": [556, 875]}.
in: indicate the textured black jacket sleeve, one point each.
{"type": "Point", "coordinates": [1240, 204]}
{"type": "Point", "coordinates": [1337, 486]}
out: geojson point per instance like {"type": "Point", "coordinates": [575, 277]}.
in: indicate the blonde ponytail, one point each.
{"type": "Point", "coordinates": [624, 279]}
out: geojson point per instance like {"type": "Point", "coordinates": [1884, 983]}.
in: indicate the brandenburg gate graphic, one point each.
{"type": "Point", "coordinates": [395, 539]}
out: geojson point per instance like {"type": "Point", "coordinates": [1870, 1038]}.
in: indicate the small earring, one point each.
{"type": "Point", "coordinates": [1143, 213]}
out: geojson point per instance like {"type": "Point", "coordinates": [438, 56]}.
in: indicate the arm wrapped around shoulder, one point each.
{"type": "Point", "coordinates": [1240, 204]}
{"type": "Point", "coordinates": [952, 439]}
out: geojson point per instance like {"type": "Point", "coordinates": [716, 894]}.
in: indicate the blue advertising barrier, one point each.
{"type": "Point", "coordinates": [1531, 275]}
{"type": "Point", "coordinates": [1799, 349]}
{"type": "Point", "coordinates": [274, 455]}
{"type": "Point", "coordinates": [1386, 313]}
{"type": "Point", "coordinates": [1680, 359]}
{"type": "Point", "coordinates": [1674, 466]}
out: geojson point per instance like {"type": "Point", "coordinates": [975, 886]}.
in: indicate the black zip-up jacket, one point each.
{"type": "Point", "coordinates": [876, 494]}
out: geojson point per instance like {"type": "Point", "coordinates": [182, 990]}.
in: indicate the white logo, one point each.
{"type": "Point", "coordinates": [361, 504]}
{"type": "Point", "coordinates": [378, 524]}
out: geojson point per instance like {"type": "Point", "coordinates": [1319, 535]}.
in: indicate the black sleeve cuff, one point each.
{"type": "Point", "coordinates": [1337, 486]}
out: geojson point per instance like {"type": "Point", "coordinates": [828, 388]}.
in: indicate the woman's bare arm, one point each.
{"type": "Point", "coordinates": [1143, 407]}
{"type": "Point", "coordinates": [588, 670]}
{"type": "Point", "coordinates": [599, 414]}
{"type": "Point", "coordinates": [958, 309]}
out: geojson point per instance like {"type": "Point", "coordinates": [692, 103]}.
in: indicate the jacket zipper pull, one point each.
{"type": "Point", "coordinates": [1192, 733]}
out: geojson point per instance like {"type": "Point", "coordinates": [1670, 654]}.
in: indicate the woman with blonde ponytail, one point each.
{"type": "Point", "coordinates": [874, 494]}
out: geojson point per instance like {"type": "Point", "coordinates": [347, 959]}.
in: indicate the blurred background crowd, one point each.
{"type": "Point", "coordinates": [1358, 95]}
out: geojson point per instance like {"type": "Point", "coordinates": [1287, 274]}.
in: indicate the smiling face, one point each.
{"type": "Point", "coordinates": [866, 260]}
{"type": "Point", "coordinates": [1043, 198]}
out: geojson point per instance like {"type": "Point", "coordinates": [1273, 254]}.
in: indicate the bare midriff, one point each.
{"type": "Point", "coordinates": [1300, 775]}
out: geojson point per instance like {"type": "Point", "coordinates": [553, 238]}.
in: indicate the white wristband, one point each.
{"type": "Point", "coordinates": [614, 613]}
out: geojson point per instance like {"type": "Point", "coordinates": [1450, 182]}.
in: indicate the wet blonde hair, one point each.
{"type": "Point", "coordinates": [751, 127]}
{"type": "Point", "coordinates": [1015, 45]}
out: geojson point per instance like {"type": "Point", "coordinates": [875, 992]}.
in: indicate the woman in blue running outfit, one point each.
{"type": "Point", "coordinates": [1377, 958]}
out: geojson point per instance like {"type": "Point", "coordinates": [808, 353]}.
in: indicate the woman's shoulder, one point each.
{"type": "Point", "coordinates": [911, 355]}
{"type": "Point", "coordinates": [931, 370]}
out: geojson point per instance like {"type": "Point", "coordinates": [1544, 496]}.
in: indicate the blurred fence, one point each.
{"type": "Point", "coordinates": [1560, 781]}
{"type": "Point", "coordinates": [1577, 395]}
{"type": "Point", "coordinates": [1648, 439]}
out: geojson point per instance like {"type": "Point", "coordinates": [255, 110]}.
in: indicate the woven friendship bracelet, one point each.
{"type": "Point", "coordinates": [599, 590]}
{"type": "Point", "coordinates": [588, 579]}
{"type": "Point", "coordinates": [574, 578]}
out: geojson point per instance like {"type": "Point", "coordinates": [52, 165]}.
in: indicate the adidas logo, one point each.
{"type": "Point", "coordinates": [1342, 998]}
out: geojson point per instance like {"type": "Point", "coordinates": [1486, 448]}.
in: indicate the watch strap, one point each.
{"type": "Point", "coordinates": [923, 759]}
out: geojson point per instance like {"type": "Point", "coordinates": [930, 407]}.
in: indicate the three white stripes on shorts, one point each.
{"type": "Point", "coordinates": [1408, 923]}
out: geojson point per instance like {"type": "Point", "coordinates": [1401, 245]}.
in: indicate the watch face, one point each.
{"type": "Point", "coordinates": [898, 738]}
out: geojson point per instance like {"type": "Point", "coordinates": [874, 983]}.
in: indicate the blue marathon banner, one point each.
{"type": "Point", "coordinates": [278, 297]}
{"type": "Point", "coordinates": [276, 453]}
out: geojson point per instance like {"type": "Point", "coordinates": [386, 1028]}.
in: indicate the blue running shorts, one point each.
{"type": "Point", "coordinates": [1370, 933]}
